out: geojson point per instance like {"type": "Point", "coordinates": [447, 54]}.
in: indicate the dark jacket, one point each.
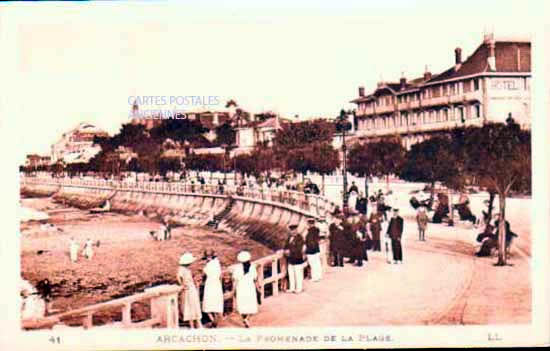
{"type": "Point", "coordinates": [312, 241]}
{"type": "Point", "coordinates": [336, 237]}
{"type": "Point", "coordinates": [395, 228]}
{"type": "Point", "coordinates": [375, 221]}
{"type": "Point", "coordinates": [361, 205]}
{"type": "Point", "coordinates": [295, 246]}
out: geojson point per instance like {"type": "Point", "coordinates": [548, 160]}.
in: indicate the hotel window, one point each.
{"type": "Point", "coordinates": [461, 114]}
{"type": "Point", "coordinates": [476, 84]}
{"type": "Point", "coordinates": [446, 114]}
{"type": "Point", "coordinates": [477, 109]}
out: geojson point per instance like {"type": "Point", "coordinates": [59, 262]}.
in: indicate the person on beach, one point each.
{"type": "Point", "coordinates": [189, 298]}
{"type": "Point", "coordinates": [294, 252]}
{"type": "Point", "coordinates": [73, 250]}
{"type": "Point", "coordinates": [313, 253]}
{"type": "Point", "coordinates": [212, 302]}
{"type": "Point", "coordinates": [422, 220]}
{"type": "Point", "coordinates": [244, 277]}
{"type": "Point", "coordinates": [395, 232]}
{"type": "Point", "coordinates": [88, 250]}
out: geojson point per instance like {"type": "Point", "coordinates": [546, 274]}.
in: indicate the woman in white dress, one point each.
{"type": "Point", "coordinates": [244, 276]}
{"type": "Point", "coordinates": [189, 298]}
{"type": "Point", "coordinates": [73, 250]}
{"type": "Point", "coordinates": [212, 302]}
{"type": "Point", "coordinates": [88, 250]}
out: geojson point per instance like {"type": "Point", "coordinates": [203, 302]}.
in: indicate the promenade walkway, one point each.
{"type": "Point", "coordinates": [440, 282]}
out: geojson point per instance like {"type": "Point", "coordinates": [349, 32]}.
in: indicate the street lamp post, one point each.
{"type": "Point", "coordinates": [343, 125]}
{"type": "Point", "coordinates": [224, 147]}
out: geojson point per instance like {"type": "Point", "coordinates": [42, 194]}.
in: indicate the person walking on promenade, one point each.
{"type": "Point", "coordinates": [189, 300]}
{"type": "Point", "coordinates": [313, 253]}
{"type": "Point", "coordinates": [337, 241]}
{"type": "Point", "coordinates": [244, 277]}
{"type": "Point", "coordinates": [294, 251]}
{"type": "Point", "coordinates": [212, 302]}
{"type": "Point", "coordinates": [334, 252]}
{"type": "Point", "coordinates": [422, 220]}
{"type": "Point", "coordinates": [88, 250]}
{"type": "Point", "coordinates": [395, 232]}
{"type": "Point", "coordinates": [73, 250]}
{"type": "Point", "coordinates": [375, 224]}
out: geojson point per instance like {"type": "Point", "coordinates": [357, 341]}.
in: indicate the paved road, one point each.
{"type": "Point", "coordinates": [440, 282]}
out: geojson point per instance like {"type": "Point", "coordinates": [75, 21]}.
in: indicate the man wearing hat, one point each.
{"type": "Point", "coordinates": [395, 231]}
{"type": "Point", "coordinates": [313, 253]}
{"type": "Point", "coordinates": [294, 251]}
{"type": "Point", "coordinates": [338, 240]}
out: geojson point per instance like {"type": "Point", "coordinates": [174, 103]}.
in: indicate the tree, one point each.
{"type": "Point", "coordinates": [225, 134]}
{"type": "Point", "coordinates": [204, 162]}
{"type": "Point", "coordinates": [180, 130]}
{"type": "Point", "coordinates": [377, 158]}
{"type": "Point", "coordinates": [297, 135]}
{"type": "Point", "coordinates": [500, 155]}
{"type": "Point", "coordinates": [261, 159]}
{"type": "Point", "coordinates": [323, 159]}
{"type": "Point", "coordinates": [438, 159]}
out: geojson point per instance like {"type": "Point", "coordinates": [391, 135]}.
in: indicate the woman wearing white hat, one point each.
{"type": "Point", "coordinates": [189, 301]}
{"type": "Point", "coordinates": [244, 275]}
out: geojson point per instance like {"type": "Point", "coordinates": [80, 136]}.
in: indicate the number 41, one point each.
{"type": "Point", "coordinates": [55, 339]}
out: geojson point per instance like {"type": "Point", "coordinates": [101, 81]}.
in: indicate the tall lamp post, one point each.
{"type": "Point", "coordinates": [342, 126]}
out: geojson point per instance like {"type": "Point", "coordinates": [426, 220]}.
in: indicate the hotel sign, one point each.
{"type": "Point", "coordinates": [507, 84]}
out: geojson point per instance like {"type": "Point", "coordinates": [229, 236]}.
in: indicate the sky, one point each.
{"type": "Point", "coordinates": [86, 62]}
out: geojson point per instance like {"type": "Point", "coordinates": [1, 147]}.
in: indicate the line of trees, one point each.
{"type": "Point", "coordinates": [496, 157]}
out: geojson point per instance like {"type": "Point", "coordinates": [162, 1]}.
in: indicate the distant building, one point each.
{"type": "Point", "coordinates": [76, 145]}
{"type": "Point", "coordinates": [492, 84]}
{"type": "Point", "coordinates": [34, 161]}
{"type": "Point", "coordinates": [258, 132]}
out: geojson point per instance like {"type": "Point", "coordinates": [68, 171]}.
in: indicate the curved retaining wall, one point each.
{"type": "Point", "coordinates": [261, 220]}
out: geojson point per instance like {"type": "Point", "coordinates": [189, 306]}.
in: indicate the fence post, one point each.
{"type": "Point", "coordinates": [88, 320]}
{"type": "Point", "coordinates": [261, 282]}
{"type": "Point", "coordinates": [275, 275]}
{"type": "Point", "coordinates": [127, 314]}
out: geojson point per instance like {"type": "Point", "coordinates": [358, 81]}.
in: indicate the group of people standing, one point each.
{"type": "Point", "coordinates": [87, 250]}
{"type": "Point", "coordinates": [297, 250]}
{"type": "Point", "coordinates": [244, 278]}
{"type": "Point", "coordinates": [352, 236]}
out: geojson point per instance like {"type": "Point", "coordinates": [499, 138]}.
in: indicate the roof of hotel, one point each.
{"type": "Point", "coordinates": [511, 56]}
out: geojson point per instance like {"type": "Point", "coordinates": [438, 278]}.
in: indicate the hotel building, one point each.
{"type": "Point", "coordinates": [494, 83]}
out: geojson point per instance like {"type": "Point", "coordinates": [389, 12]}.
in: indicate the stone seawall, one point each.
{"type": "Point", "coordinates": [261, 220]}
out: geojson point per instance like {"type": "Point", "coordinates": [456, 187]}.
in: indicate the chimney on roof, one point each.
{"type": "Point", "coordinates": [458, 56]}
{"type": "Point", "coordinates": [361, 91]}
{"type": "Point", "coordinates": [427, 74]}
{"type": "Point", "coordinates": [491, 60]}
{"type": "Point", "coordinates": [402, 83]}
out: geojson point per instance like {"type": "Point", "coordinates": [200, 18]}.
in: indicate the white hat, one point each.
{"type": "Point", "coordinates": [186, 258]}
{"type": "Point", "coordinates": [243, 256]}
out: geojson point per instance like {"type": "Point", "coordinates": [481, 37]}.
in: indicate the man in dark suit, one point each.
{"type": "Point", "coordinates": [294, 252]}
{"type": "Point", "coordinates": [395, 231]}
{"type": "Point", "coordinates": [336, 241]}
